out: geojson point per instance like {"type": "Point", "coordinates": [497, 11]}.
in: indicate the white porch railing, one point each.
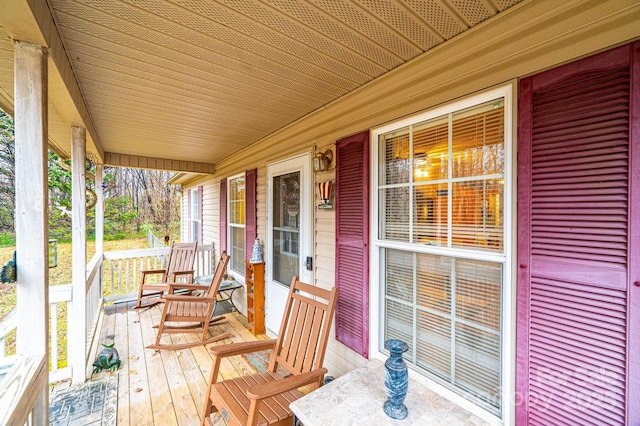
{"type": "Point", "coordinates": [23, 391]}
{"type": "Point", "coordinates": [59, 306]}
{"type": "Point", "coordinates": [118, 279]}
{"type": "Point", "coordinates": [154, 241]}
{"type": "Point", "coordinates": [121, 276]}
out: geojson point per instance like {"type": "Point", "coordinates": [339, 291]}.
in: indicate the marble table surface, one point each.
{"type": "Point", "coordinates": [356, 398]}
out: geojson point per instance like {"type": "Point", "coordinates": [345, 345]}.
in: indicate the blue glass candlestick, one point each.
{"type": "Point", "coordinates": [396, 379]}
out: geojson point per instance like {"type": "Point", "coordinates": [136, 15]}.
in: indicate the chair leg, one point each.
{"type": "Point", "coordinates": [205, 329]}
{"type": "Point", "coordinates": [139, 302]}
{"type": "Point", "coordinates": [161, 325]}
{"type": "Point", "coordinates": [208, 406]}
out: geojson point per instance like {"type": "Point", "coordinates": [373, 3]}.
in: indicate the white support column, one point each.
{"type": "Point", "coordinates": [78, 323]}
{"type": "Point", "coordinates": [99, 209]}
{"type": "Point", "coordinates": [32, 221]}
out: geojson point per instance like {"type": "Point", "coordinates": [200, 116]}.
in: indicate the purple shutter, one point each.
{"type": "Point", "coordinates": [200, 214]}
{"type": "Point", "coordinates": [251, 214]}
{"type": "Point", "coordinates": [352, 242]}
{"type": "Point", "coordinates": [574, 211]}
{"type": "Point", "coordinates": [223, 215]}
{"type": "Point", "coordinates": [189, 220]}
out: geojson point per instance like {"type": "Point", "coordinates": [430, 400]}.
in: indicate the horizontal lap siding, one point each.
{"type": "Point", "coordinates": [578, 193]}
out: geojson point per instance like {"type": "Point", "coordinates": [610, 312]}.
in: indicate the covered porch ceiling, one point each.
{"type": "Point", "coordinates": [195, 81]}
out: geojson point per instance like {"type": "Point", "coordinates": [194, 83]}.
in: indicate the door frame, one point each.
{"type": "Point", "coordinates": [301, 163]}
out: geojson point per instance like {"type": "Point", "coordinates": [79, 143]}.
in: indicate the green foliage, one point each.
{"type": "Point", "coordinates": [7, 172]}
{"type": "Point", "coordinates": [7, 239]}
{"type": "Point", "coordinates": [59, 199]}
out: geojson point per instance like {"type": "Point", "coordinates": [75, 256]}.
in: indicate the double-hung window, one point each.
{"type": "Point", "coordinates": [195, 214]}
{"type": "Point", "coordinates": [440, 243]}
{"type": "Point", "coordinates": [236, 215]}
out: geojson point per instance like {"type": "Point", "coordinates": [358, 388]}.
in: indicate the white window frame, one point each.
{"type": "Point", "coordinates": [194, 222]}
{"type": "Point", "coordinates": [506, 258]}
{"type": "Point", "coordinates": [230, 226]}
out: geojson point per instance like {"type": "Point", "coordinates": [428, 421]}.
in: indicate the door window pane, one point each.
{"type": "Point", "coordinates": [286, 227]}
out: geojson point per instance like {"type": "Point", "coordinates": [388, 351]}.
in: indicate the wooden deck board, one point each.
{"type": "Point", "coordinates": [139, 395]}
{"type": "Point", "coordinates": [122, 334]}
{"type": "Point", "coordinates": [183, 403]}
{"type": "Point", "coordinates": [161, 401]}
{"type": "Point", "coordinates": [166, 387]}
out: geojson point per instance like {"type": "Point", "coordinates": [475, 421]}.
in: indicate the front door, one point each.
{"type": "Point", "coordinates": [289, 232]}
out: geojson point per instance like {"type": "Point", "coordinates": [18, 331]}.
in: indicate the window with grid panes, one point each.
{"type": "Point", "coordinates": [236, 215]}
{"type": "Point", "coordinates": [195, 215]}
{"type": "Point", "coordinates": [441, 245]}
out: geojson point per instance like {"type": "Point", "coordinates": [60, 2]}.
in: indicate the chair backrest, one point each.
{"type": "Point", "coordinates": [182, 256]}
{"type": "Point", "coordinates": [217, 275]}
{"type": "Point", "coordinates": [305, 328]}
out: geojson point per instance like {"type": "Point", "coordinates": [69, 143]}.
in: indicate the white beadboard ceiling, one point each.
{"type": "Point", "coordinates": [197, 80]}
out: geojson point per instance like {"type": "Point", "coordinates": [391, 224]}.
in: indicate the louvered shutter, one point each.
{"type": "Point", "coordinates": [223, 215]}
{"type": "Point", "coordinates": [352, 242]}
{"type": "Point", "coordinates": [200, 214]}
{"type": "Point", "coordinates": [251, 214]}
{"type": "Point", "coordinates": [573, 239]}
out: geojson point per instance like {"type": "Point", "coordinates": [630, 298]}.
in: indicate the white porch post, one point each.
{"type": "Point", "coordinates": [77, 326]}
{"type": "Point", "coordinates": [99, 210]}
{"type": "Point", "coordinates": [32, 218]}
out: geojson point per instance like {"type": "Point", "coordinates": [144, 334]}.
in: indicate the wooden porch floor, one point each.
{"type": "Point", "coordinates": [165, 387]}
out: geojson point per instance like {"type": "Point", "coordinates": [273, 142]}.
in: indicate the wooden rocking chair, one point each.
{"type": "Point", "coordinates": [192, 309]}
{"type": "Point", "coordinates": [264, 398]}
{"type": "Point", "coordinates": [180, 264]}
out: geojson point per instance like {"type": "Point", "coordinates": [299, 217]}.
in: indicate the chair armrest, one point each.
{"type": "Point", "coordinates": [144, 274]}
{"type": "Point", "coordinates": [187, 298]}
{"type": "Point", "coordinates": [242, 348]}
{"type": "Point", "coordinates": [265, 390]}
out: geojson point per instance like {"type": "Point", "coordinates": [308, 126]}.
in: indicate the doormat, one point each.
{"type": "Point", "coordinates": [92, 403]}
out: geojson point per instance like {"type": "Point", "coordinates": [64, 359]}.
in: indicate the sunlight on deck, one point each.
{"type": "Point", "coordinates": [166, 387]}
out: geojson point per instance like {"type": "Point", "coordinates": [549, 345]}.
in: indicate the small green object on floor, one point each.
{"type": "Point", "coordinates": [108, 359]}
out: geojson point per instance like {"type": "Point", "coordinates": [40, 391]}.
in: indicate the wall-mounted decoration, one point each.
{"type": "Point", "coordinates": [324, 188]}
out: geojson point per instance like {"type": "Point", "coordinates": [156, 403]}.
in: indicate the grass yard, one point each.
{"type": "Point", "coordinates": [61, 274]}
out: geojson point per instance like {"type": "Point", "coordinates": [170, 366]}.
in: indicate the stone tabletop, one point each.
{"type": "Point", "coordinates": [356, 398]}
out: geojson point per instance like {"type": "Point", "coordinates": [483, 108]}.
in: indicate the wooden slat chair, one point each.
{"type": "Point", "coordinates": [182, 256]}
{"type": "Point", "coordinates": [264, 398]}
{"type": "Point", "coordinates": [191, 309]}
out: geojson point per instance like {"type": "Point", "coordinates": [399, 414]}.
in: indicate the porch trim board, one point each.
{"type": "Point", "coordinates": [139, 162]}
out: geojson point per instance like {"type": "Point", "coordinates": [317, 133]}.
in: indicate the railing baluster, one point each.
{"type": "Point", "coordinates": [53, 313]}
{"type": "Point", "coordinates": [120, 275]}
{"type": "Point", "coordinates": [113, 275]}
